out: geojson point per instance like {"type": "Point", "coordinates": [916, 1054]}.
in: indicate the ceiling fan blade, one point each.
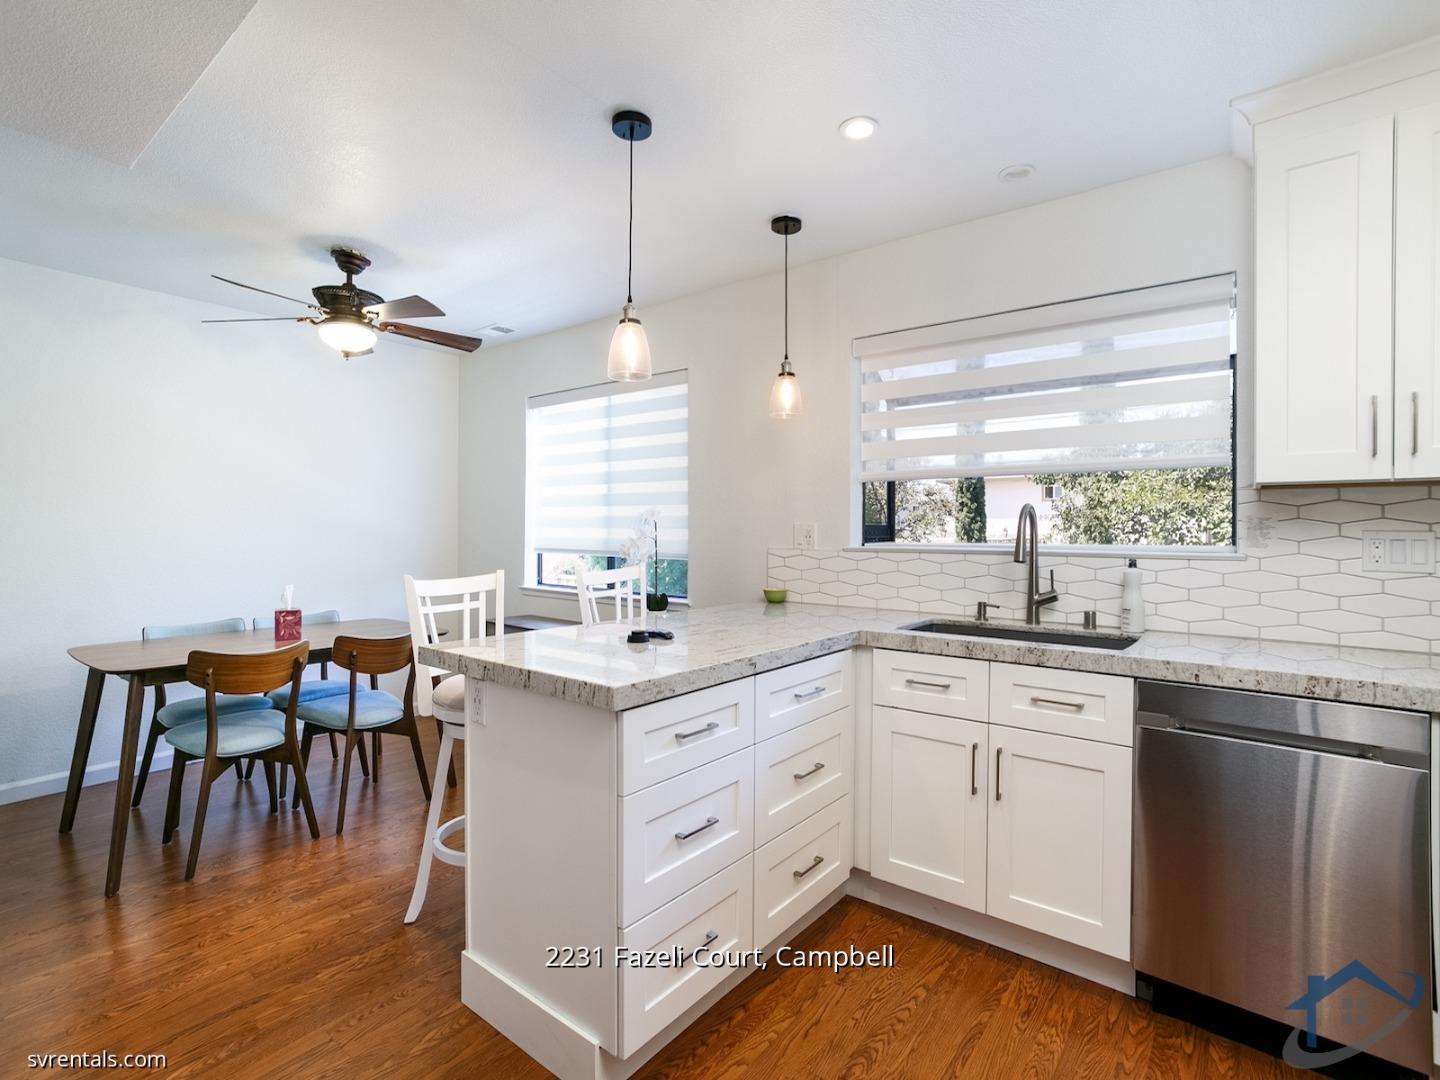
{"type": "Point", "coordinates": [407, 307]}
{"type": "Point", "coordinates": [271, 318]}
{"type": "Point", "coordinates": [267, 292]}
{"type": "Point", "coordinates": [436, 337]}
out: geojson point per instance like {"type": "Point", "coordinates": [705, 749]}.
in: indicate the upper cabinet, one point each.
{"type": "Point", "coordinates": [1347, 206]}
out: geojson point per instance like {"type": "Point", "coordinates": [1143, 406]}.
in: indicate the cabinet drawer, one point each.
{"type": "Point", "coordinates": [790, 696]}
{"type": "Point", "coordinates": [799, 868]}
{"type": "Point", "coordinates": [677, 833]}
{"type": "Point", "coordinates": [802, 770]}
{"type": "Point", "coordinates": [665, 739]}
{"type": "Point", "coordinates": [714, 915]}
{"type": "Point", "coordinates": [1076, 703]}
{"type": "Point", "coordinates": [947, 685]}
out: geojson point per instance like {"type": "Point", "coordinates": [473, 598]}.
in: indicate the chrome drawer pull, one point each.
{"type": "Point", "coordinates": [809, 772]}
{"type": "Point", "coordinates": [932, 685]}
{"type": "Point", "coordinates": [1374, 426]}
{"type": "Point", "coordinates": [801, 873]}
{"type": "Point", "coordinates": [1080, 705]}
{"type": "Point", "coordinates": [681, 736]}
{"type": "Point", "coordinates": [709, 939]}
{"type": "Point", "coordinates": [974, 750]}
{"type": "Point", "coordinates": [997, 772]}
{"type": "Point", "coordinates": [810, 694]}
{"type": "Point", "coordinates": [709, 822]}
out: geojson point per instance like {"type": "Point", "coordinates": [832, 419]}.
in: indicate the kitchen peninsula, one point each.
{"type": "Point", "coordinates": [720, 790]}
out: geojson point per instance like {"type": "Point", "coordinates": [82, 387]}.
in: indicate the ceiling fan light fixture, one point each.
{"type": "Point", "coordinates": [346, 334]}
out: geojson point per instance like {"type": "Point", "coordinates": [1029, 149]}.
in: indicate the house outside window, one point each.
{"type": "Point", "coordinates": [1113, 416]}
{"type": "Point", "coordinates": [606, 470]}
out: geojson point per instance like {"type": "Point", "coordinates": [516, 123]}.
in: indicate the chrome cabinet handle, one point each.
{"type": "Point", "coordinates": [1414, 422]}
{"type": "Point", "coordinates": [1374, 426]}
{"type": "Point", "coordinates": [1080, 705]}
{"type": "Point", "coordinates": [681, 736]}
{"type": "Point", "coordinates": [709, 938]}
{"type": "Point", "coordinates": [932, 685]}
{"type": "Point", "coordinates": [801, 873]}
{"type": "Point", "coordinates": [810, 694]}
{"type": "Point", "coordinates": [997, 773]}
{"type": "Point", "coordinates": [809, 772]}
{"type": "Point", "coordinates": [974, 751]}
{"type": "Point", "coordinates": [709, 823]}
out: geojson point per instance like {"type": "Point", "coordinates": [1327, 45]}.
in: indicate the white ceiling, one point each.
{"type": "Point", "coordinates": [465, 147]}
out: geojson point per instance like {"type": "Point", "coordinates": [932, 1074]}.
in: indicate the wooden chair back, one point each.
{"type": "Point", "coordinates": [372, 656]}
{"type": "Point", "coordinates": [246, 673]}
{"type": "Point", "coordinates": [626, 584]}
{"type": "Point", "coordinates": [427, 600]}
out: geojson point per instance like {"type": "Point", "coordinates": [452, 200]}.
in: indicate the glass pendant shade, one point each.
{"type": "Point", "coordinates": [785, 399]}
{"type": "Point", "coordinates": [346, 335]}
{"type": "Point", "coordinates": [629, 349]}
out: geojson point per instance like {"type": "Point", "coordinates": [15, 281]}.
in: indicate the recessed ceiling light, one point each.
{"type": "Point", "coordinates": [858, 127]}
{"type": "Point", "coordinates": [1012, 173]}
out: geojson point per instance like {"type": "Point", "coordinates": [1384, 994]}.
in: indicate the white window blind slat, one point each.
{"type": "Point", "coordinates": [600, 458]}
{"type": "Point", "coordinates": [1088, 388]}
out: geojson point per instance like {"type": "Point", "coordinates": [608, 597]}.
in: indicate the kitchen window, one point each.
{"type": "Point", "coordinates": [606, 473]}
{"type": "Point", "coordinates": [1113, 415]}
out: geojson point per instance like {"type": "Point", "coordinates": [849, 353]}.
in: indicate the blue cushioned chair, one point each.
{"type": "Point", "coordinates": [310, 689]}
{"type": "Point", "coordinates": [218, 742]}
{"type": "Point", "coordinates": [360, 710]}
{"type": "Point", "coordinates": [167, 716]}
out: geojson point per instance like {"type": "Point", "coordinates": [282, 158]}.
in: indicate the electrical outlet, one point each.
{"type": "Point", "coordinates": [1400, 552]}
{"type": "Point", "coordinates": [805, 535]}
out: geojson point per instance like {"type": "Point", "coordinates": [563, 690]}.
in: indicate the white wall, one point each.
{"type": "Point", "coordinates": [751, 477]}
{"type": "Point", "coordinates": [160, 471]}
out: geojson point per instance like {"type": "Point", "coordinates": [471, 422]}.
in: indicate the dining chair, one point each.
{"type": "Point", "coordinates": [442, 696]}
{"type": "Point", "coordinates": [219, 741]}
{"type": "Point", "coordinates": [360, 711]}
{"type": "Point", "coordinates": [626, 584]}
{"type": "Point", "coordinates": [187, 710]}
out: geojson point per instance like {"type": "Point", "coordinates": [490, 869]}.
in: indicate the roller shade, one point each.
{"type": "Point", "coordinates": [599, 458]}
{"type": "Point", "coordinates": [1134, 380]}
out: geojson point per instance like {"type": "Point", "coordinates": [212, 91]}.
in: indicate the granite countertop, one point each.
{"type": "Point", "coordinates": [594, 665]}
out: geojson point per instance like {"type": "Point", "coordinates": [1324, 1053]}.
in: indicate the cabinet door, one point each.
{"type": "Point", "coordinates": [1323, 357]}
{"type": "Point", "coordinates": [928, 803]}
{"type": "Point", "coordinates": [1059, 853]}
{"type": "Point", "coordinates": [1417, 283]}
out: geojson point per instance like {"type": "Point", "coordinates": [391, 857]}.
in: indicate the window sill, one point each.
{"type": "Point", "coordinates": [562, 592]}
{"type": "Point", "coordinates": [1228, 554]}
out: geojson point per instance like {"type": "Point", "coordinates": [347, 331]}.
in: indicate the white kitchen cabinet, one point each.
{"type": "Point", "coordinates": [928, 804]}
{"type": "Point", "coordinates": [1059, 819]}
{"type": "Point", "coordinates": [1417, 290]}
{"type": "Point", "coordinates": [1324, 215]}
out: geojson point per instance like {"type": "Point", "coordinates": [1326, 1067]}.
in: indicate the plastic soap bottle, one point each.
{"type": "Point", "coordinates": [1132, 604]}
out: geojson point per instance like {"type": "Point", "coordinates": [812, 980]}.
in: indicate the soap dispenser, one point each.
{"type": "Point", "coordinates": [1132, 604]}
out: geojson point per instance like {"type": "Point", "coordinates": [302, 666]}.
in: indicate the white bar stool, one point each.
{"type": "Point", "coordinates": [445, 702]}
{"type": "Point", "coordinates": [624, 584]}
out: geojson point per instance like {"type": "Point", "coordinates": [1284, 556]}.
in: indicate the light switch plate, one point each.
{"type": "Point", "coordinates": [805, 535]}
{"type": "Point", "coordinates": [1399, 552]}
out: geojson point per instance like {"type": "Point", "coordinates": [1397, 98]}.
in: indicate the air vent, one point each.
{"type": "Point", "coordinates": [496, 328]}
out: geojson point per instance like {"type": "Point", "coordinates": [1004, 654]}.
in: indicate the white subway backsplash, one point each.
{"type": "Point", "coordinates": [1297, 576]}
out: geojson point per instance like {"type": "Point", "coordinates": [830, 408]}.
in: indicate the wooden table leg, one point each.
{"type": "Point", "coordinates": [84, 735]}
{"type": "Point", "coordinates": [129, 742]}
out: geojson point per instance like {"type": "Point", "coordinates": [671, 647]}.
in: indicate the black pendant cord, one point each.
{"type": "Point", "coordinates": [630, 242]}
{"type": "Point", "coordinates": [787, 296]}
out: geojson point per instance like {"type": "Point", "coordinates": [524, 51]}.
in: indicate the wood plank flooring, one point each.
{"type": "Point", "coordinates": [286, 957]}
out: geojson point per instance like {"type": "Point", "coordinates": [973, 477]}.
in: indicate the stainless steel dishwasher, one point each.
{"type": "Point", "coordinates": [1278, 840]}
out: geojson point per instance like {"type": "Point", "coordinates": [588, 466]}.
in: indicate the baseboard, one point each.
{"type": "Point", "coordinates": [1105, 970]}
{"type": "Point", "coordinates": [102, 773]}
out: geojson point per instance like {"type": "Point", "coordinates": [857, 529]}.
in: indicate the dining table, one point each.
{"type": "Point", "coordinates": [161, 662]}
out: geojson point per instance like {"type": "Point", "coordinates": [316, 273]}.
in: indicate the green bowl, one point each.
{"type": "Point", "coordinates": [774, 596]}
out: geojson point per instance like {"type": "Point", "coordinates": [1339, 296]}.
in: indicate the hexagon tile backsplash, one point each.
{"type": "Point", "coordinates": [1296, 578]}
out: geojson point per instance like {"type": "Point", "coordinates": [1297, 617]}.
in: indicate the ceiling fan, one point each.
{"type": "Point", "coordinates": [348, 317]}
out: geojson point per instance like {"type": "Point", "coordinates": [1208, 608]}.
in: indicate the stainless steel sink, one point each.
{"type": "Point", "coordinates": [1089, 639]}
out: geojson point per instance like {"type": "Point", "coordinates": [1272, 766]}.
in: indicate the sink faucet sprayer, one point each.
{"type": "Point", "coordinates": [1034, 598]}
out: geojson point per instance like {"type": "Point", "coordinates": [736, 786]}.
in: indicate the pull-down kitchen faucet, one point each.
{"type": "Point", "coordinates": [1034, 598]}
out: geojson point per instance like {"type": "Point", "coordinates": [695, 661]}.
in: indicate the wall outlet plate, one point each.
{"type": "Point", "coordinates": [805, 535]}
{"type": "Point", "coordinates": [1399, 552]}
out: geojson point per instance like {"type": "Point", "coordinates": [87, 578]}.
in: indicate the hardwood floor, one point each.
{"type": "Point", "coordinates": [287, 957]}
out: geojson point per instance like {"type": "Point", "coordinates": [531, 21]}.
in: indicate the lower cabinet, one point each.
{"type": "Point", "coordinates": [1059, 837]}
{"type": "Point", "coordinates": [799, 868]}
{"type": "Point", "coordinates": [928, 799]}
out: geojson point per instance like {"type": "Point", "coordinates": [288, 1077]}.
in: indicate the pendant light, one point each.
{"type": "Point", "coordinates": [785, 400]}
{"type": "Point", "coordinates": [629, 350]}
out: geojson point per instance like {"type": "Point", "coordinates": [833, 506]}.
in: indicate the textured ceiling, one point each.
{"type": "Point", "coordinates": [465, 147]}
